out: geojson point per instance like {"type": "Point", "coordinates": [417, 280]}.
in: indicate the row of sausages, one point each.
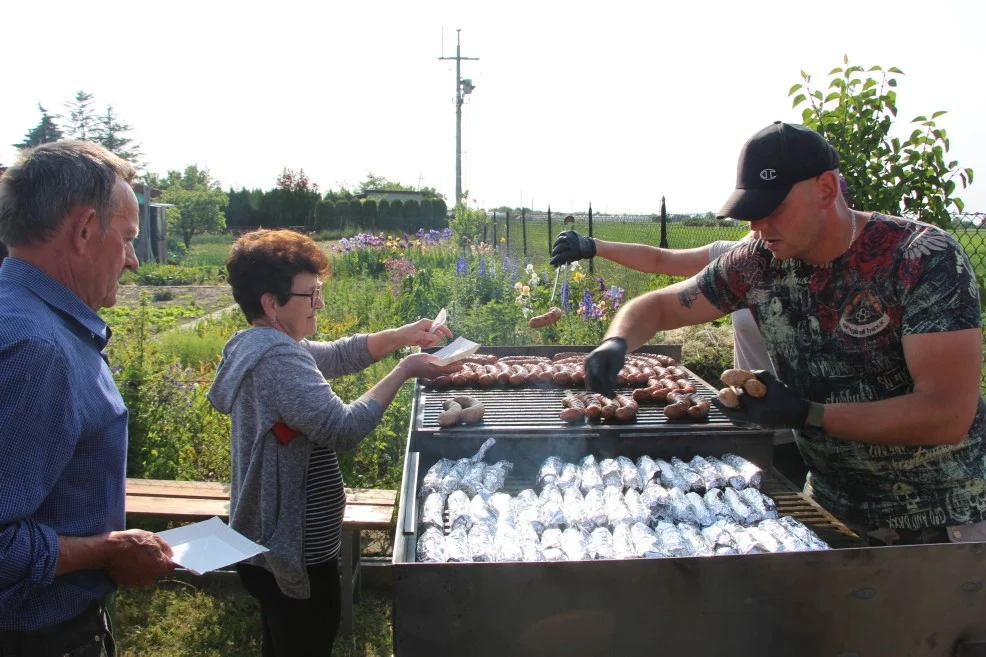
{"type": "Point", "coordinates": [593, 406]}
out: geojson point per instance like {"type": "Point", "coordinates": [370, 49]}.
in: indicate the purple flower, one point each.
{"type": "Point", "coordinates": [482, 266]}
{"type": "Point", "coordinates": [460, 266]}
{"type": "Point", "coordinates": [602, 284]}
{"type": "Point", "coordinates": [565, 305]}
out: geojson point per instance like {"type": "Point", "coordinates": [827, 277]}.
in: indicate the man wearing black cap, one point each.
{"type": "Point", "coordinates": [873, 324]}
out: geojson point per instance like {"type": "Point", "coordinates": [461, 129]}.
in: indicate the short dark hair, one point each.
{"type": "Point", "coordinates": [49, 181]}
{"type": "Point", "coordinates": [266, 262]}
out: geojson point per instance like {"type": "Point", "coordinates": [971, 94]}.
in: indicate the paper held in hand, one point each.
{"type": "Point", "coordinates": [438, 321]}
{"type": "Point", "coordinates": [208, 545]}
{"type": "Point", "coordinates": [457, 350]}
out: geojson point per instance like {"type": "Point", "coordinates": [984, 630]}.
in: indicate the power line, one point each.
{"type": "Point", "coordinates": [462, 89]}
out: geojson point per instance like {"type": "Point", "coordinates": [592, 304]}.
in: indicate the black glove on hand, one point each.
{"type": "Point", "coordinates": [780, 408]}
{"type": "Point", "coordinates": [603, 364]}
{"type": "Point", "coordinates": [570, 246]}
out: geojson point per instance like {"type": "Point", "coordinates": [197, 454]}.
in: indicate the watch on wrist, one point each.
{"type": "Point", "coordinates": [815, 414]}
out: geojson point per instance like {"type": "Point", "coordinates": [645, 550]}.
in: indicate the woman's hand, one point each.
{"type": "Point", "coordinates": [416, 334]}
{"type": "Point", "coordinates": [423, 366]}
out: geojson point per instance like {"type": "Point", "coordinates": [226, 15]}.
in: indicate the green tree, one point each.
{"type": "Point", "coordinates": [468, 224]}
{"type": "Point", "coordinates": [198, 199]}
{"type": "Point", "coordinates": [45, 132]}
{"type": "Point", "coordinates": [82, 118]}
{"type": "Point", "coordinates": [883, 172]}
{"type": "Point", "coordinates": [112, 133]}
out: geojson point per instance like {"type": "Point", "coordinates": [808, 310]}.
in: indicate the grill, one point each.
{"type": "Point", "coordinates": [851, 600]}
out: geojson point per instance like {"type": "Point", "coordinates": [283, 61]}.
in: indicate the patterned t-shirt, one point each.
{"type": "Point", "coordinates": [834, 333]}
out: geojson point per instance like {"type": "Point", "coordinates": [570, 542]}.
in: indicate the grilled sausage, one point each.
{"type": "Point", "coordinates": [547, 319]}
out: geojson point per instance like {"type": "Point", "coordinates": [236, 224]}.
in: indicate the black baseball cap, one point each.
{"type": "Point", "coordinates": [771, 162]}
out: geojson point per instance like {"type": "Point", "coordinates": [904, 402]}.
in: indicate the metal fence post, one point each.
{"type": "Point", "coordinates": [523, 229]}
{"type": "Point", "coordinates": [549, 231]}
{"type": "Point", "coordinates": [592, 269]}
{"type": "Point", "coordinates": [664, 225]}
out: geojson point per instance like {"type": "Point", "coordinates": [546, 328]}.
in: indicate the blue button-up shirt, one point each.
{"type": "Point", "coordinates": [63, 446]}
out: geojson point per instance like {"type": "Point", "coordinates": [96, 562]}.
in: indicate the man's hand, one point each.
{"type": "Point", "coordinates": [137, 557]}
{"type": "Point", "coordinates": [780, 408]}
{"type": "Point", "coordinates": [570, 246]}
{"type": "Point", "coordinates": [603, 364]}
{"type": "Point", "coordinates": [416, 334]}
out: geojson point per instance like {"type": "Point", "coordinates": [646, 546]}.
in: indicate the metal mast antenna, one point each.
{"type": "Point", "coordinates": [462, 89]}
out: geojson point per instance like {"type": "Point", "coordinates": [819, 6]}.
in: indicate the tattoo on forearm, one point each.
{"type": "Point", "coordinates": [687, 296]}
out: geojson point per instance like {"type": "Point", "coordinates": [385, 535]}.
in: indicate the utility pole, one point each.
{"type": "Point", "coordinates": [462, 89]}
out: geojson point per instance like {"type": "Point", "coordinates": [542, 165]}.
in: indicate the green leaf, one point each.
{"type": "Point", "coordinates": [869, 84]}
{"type": "Point", "coordinates": [939, 113]}
{"type": "Point", "coordinates": [959, 204]}
{"type": "Point", "coordinates": [845, 59]}
{"type": "Point", "coordinates": [894, 69]}
{"type": "Point", "coordinates": [793, 89]}
{"type": "Point", "coordinates": [833, 96]}
{"type": "Point", "coordinates": [891, 82]}
{"type": "Point", "coordinates": [874, 68]}
{"type": "Point", "coordinates": [818, 95]}
{"type": "Point", "coordinates": [835, 70]}
{"type": "Point", "coordinates": [919, 118]}
{"type": "Point", "coordinates": [800, 98]}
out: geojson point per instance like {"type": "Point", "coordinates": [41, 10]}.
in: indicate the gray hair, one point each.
{"type": "Point", "coordinates": [51, 180]}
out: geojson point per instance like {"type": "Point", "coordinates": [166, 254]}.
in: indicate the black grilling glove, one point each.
{"type": "Point", "coordinates": [603, 364]}
{"type": "Point", "coordinates": [569, 246]}
{"type": "Point", "coordinates": [780, 408]}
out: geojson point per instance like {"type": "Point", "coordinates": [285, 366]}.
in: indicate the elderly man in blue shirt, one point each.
{"type": "Point", "coordinates": [68, 216]}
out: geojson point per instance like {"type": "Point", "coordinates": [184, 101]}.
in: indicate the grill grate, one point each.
{"type": "Point", "coordinates": [535, 407]}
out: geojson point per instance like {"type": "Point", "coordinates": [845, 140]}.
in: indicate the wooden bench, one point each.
{"type": "Point", "coordinates": [191, 501]}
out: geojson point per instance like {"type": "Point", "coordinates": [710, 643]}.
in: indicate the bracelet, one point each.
{"type": "Point", "coordinates": [816, 412]}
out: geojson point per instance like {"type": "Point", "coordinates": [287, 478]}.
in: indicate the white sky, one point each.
{"type": "Point", "coordinates": [614, 103]}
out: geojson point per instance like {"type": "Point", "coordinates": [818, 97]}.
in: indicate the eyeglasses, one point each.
{"type": "Point", "coordinates": [314, 296]}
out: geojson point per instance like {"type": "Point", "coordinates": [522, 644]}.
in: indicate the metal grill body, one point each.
{"type": "Point", "coordinates": [851, 600]}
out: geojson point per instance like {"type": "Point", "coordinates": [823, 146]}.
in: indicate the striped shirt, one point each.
{"type": "Point", "coordinates": [325, 507]}
{"type": "Point", "coordinates": [63, 446]}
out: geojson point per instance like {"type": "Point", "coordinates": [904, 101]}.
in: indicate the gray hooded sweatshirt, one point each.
{"type": "Point", "coordinates": [265, 377]}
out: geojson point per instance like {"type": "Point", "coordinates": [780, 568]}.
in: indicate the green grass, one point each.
{"type": "Point", "coordinates": [175, 619]}
{"type": "Point", "coordinates": [208, 250]}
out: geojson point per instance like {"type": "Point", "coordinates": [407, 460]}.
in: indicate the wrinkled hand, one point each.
{"type": "Point", "coordinates": [423, 366]}
{"type": "Point", "coordinates": [780, 408]}
{"type": "Point", "coordinates": [569, 246]}
{"type": "Point", "coordinates": [416, 334]}
{"type": "Point", "coordinates": [137, 557]}
{"type": "Point", "coordinates": [603, 364]}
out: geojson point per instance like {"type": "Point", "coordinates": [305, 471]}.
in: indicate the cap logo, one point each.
{"type": "Point", "coordinates": [768, 174]}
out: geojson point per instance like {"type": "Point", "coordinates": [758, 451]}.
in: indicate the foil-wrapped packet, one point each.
{"type": "Point", "coordinates": [472, 482]}
{"type": "Point", "coordinates": [752, 474]}
{"type": "Point", "coordinates": [702, 513]}
{"type": "Point", "coordinates": [670, 477]}
{"type": "Point", "coordinates": [645, 542]}
{"type": "Point", "coordinates": [765, 539]}
{"type": "Point", "coordinates": [526, 509]}
{"type": "Point", "coordinates": [804, 533]}
{"type": "Point", "coordinates": [692, 478]}
{"type": "Point", "coordinates": [458, 510]}
{"type": "Point", "coordinates": [431, 546]}
{"type": "Point", "coordinates": [742, 512]}
{"type": "Point", "coordinates": [629, 474]}
{"type": "Point", "coordinates": [453, 478]}
{"type": "Point", "coordinates": [708, 473]}
{"type": "Point", "coordinates": [571, 477]}
{"type": "Point", "coordinates": [495, 476]}
{"type": "Point", "coordinates": [501, 504]}
{"type": "Point", "coordinates": [610, 470]}
{"type": "Point", "coordinates": [551, 546]}
{"type": "Point", "coordinates": [594, 506]}
{"type": "Point", "coordinates": [506, 543]}
{"type": "Point", "coordinates": [600, 545]}
{"type": "Point", "coordinates": [431, 511]}
{"type": "Point", "coordinates": [481, 543]}
{"type": "Point", "coordinates": [697, 545]}
{"type": "Point", "coordinates": [727, 472]}
{"type": "Point", "coordinates": [616, 508]}
{"type": "Point", "coordinates": [715, 500]}
{"type": "Point", "coordinates": [573, 505]}
{"type": "Point", "coordinates": [670, 542]}
{"type": "Point", "coordinates": [746, 543]}
{"type": "Point", "coordinates": [635, 505]}
{"type": "Point", "coordinates": [481, 454]}
{"type": "Point", "coordinates": [681, 507]}
{"type": "Point", "coordinates": [479, 510]}
{"type": "Point", "coordinates": [433, 478]}
{"type": "Point", "coordinates": [623, 542]}
{"type": "Point", "coordinates": [789, 541]}
{"type": "Point", "coordinates": [592, 476]}
{"type": "Point", "coordinates": [550, 471]}
{"type": "Point", "coordinates": [647, 469]}
{"type": "Point", "coordinates": [551, 512]}
{"type": "Point", "coordinates": [717, 536]}
{"type": "Point", "coordinates": [574, 543]}
{"type": "Point", "coordinates": [657, 500]}
{"type": "Point", "coordinates": [762, 506]}
{"type": "Point", "coordinates": [457, 545]}
{"type": "Point", "coordinates": [722, 550]}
